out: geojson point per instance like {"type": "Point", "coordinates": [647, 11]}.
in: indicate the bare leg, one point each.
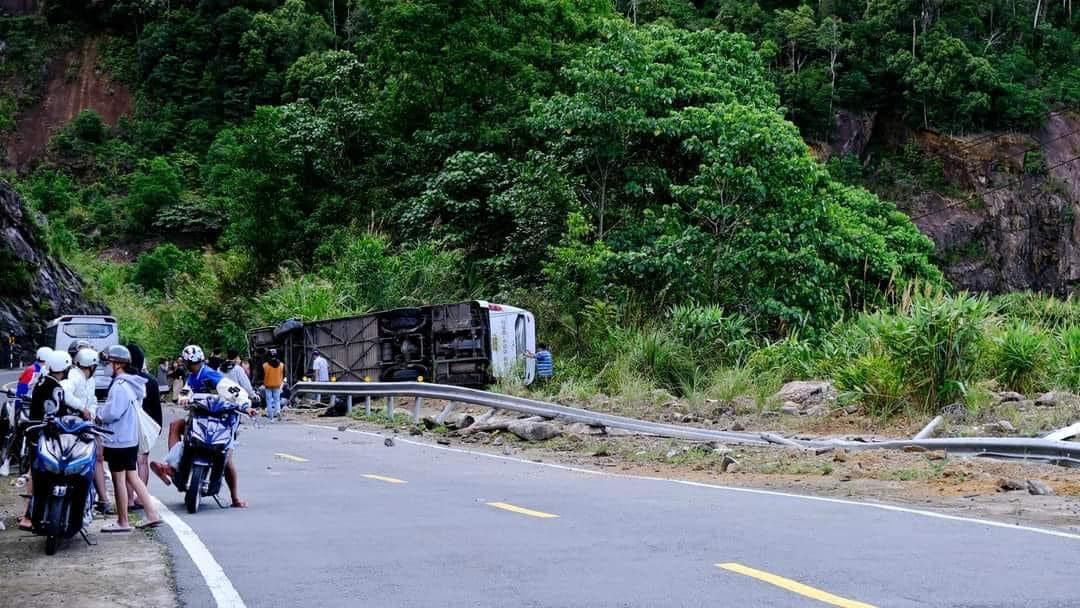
{"type": "Point", "coordinates": [161, 469]}
{"type": "Point", "coordinates": [99, 474]}
{"type": "Point", "coordinates": [139, 489]}
{"type": "Point", "coordinates": [25, 522]}
{"type": "Point", "coordinates": [142, 464]}
{"type": "Point", "coordinates": [119, 479]}
{"type": "Point", "coordinates": [230, 479]}
{"type": "Point", "coordinates": [176, 431]}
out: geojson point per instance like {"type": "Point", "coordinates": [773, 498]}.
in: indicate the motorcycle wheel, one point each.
{"type": "Point", "coordinates": [193, 497]}
{"type": "Point", "coordinates": [53, 514]}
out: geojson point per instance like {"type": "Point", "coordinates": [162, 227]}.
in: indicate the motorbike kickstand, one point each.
{"type": "Point", "coordinates": [218, 501]}
{"type": "Point", "coordinates": [92, 543]}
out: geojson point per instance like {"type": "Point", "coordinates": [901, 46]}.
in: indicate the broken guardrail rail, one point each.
{"type": "Point", "coordinates": [1063, 453]}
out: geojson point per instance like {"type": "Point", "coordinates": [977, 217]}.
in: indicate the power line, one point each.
{"type": "Point", "coordinates": [993, 190]}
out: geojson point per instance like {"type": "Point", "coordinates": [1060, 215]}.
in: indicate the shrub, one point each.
{"type": "Point", "coordinates": [1021, 357]}
{"type": "Point", "coordinates": [662, 359]}
{"type": "Point", "coordinates": [154, 269]}
{"type": "Point", "coordinates": [937, 339]}
{"type": "Point", "coordinates": [1068, 362]}
{"type": "Point", "coordinates": [15, 274]}
{"type": "Point", "coordinates": [713, 335]}
{"type": "Point", "coordinates": [876, 382]}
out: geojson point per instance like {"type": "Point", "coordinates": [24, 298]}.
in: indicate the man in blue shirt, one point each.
{"type": "Point", "coordinates": [545, 365]}
{"type": "Point", "coordinates": [201, 379]}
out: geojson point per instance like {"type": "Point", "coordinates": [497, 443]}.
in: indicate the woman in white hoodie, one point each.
{"type": "Point", "coordinates": [120, 415]}
{"type": "Point", "coordinates": [79, 395]}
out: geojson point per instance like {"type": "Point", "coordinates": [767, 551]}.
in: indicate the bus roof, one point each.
{"type": "Point", "coordinates": [82, 319]}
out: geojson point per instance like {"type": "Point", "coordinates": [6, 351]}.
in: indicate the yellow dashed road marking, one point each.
{"type": "Point", "coordinates": [522, 510]}
{"type": "Point", "coordinates": [290, 457]}
{"type": "Point", "coordinates": [794, 587]}
{"type": "Point", "coordinates": [386, 479]}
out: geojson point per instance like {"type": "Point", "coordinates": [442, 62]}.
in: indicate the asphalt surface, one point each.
{"type": "Point", "coordinates": [320, 533]}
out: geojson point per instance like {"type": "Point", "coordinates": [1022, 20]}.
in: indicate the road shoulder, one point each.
{"type": "Point", "coordinates": [130, 569]}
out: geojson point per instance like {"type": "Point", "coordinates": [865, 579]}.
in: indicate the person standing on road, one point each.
{"type": "Point", "coordinates": [151, 404]}
{"type": "Point", "coordinates": [162, 375]}
{"type": "Point", "coordinates": [234, 371]}
{"type": "Point", "coordinates": [177, 375]}
{"type": "Point", "coordinates": [120, 415]}
{"type": "Point", "coordinates": [321, 368]}
{"type": "Point", "coordinates": [79, 394]}
{"type": "Point", "coordinates": [273, 379]}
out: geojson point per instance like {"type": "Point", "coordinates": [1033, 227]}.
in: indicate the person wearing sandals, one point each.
{"type": "Point", "coordinates": [120, 416]}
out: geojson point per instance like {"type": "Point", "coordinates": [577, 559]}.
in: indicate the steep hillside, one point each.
{"type": "Point", "coordinates": [73, 82]}
{"type": "Point", "coordinates": [34, 287]}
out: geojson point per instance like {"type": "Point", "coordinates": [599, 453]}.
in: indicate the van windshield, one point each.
{"type": "Point", "coordinates": [87, 330]}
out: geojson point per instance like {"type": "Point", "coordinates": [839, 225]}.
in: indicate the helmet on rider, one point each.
{"type": "Point", "coordinates": [42, 353]}
{"type": "Point", "coordinates": [192, 354]}
{"type": "Point", "coordinates": [116, 354]}
{"type": "Point", "coordinates": [86, 357]}
{"type": "Point", "coordinates": [57, 361]}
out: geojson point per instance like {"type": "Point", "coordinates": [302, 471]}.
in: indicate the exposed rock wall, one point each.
{"type": "Point", "coordinates": [1014, 225]}
{"type": "Point", "coordinates": [54, 289]}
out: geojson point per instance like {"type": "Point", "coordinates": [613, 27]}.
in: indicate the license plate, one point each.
{"type": "Point", "coordinates": [59, 490]}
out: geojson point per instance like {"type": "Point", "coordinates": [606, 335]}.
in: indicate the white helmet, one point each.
{"type": "Point", "coordinates": [192, 354]}
{"type": "Point", "coordinates": [57, 361]}
{"type": "Point", "coordinates": [86, 357]}
{"type": "Point", "coordinates": [42, 353]}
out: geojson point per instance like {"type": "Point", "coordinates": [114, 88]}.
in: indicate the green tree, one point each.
{"type": "Point", "coordinates": [156, 268]}
{"type": "Point", "coordinates": [155, 185]}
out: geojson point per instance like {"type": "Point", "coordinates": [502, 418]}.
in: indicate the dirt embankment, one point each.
{"type": "Point", "coordinates": [121, 570]}
{"type": "Point", "coordinates": [74, 83]}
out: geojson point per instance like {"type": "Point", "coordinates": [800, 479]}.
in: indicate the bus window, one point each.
{"type": "Point", "coordinates": [519, 336]}
{"type": "Point", "coordinates": [87, 330]}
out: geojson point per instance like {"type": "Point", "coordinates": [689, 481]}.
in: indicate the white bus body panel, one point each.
{"type": "Point", "coordinates": [513, 333]}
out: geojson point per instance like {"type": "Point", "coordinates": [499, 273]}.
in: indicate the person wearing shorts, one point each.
{"type": "Point", "coordinates": [120, 415]}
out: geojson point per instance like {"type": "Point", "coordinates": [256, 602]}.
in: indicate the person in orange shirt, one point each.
{"type": "Point", "coordinates": [273, 379]}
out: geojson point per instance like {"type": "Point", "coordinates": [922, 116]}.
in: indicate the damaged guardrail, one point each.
{"type": "Point", "coordinates": [1058, 452]}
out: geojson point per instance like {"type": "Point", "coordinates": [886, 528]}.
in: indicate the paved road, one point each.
{"type": "Point", "coordinates": [320, 533]}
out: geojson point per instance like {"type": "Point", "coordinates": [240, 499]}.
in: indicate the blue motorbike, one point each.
{"type": "Point", "coordinates": [209, 433]}
{"type": "Point", "coordinates": [63, 473]}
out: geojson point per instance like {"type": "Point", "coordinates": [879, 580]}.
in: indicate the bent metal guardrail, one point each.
{"type": "Point", "coordinates": [1062, 453]}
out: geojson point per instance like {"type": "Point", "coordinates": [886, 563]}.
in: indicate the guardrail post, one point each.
{"type": "Point", "coordinates": [441, 418]}
{"type": "Point", "coordinates": [367, 405]}
{"type": "Point", "coordinates": [416, 410]}
{"type": "Point", "coordinates": [390, 407]}
{"type": "Point", "coordinates": [348, 404]}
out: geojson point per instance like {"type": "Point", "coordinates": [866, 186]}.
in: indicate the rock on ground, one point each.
{"type": "Point", "coordinates": [1038, 488]}
{"type": "Point", "coordinates": [806, 393]}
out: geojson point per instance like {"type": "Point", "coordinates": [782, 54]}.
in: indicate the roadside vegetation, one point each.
{"type": "Point", "coordinates": [634, 173]}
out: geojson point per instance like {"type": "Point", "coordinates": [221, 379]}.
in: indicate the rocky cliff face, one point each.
{"type": "Point", "coordinates": [53, 289]}
{"type": "Point", "coordinates": [1014, 224]}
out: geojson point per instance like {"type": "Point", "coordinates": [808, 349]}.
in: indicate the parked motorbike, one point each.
{"type": "Point", "coordinates": [14, 446]}
{"type": "Point", "coordinates": [63, 477]}
{"type": "Point", "coordinates": [208, 435]}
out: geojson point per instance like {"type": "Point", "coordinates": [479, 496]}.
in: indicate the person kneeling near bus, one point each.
{"type": "Point", "coordinates": [203, 380]}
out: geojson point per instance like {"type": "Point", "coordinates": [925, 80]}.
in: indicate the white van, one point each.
{"type": "Point", "coordinates": [101, 331]}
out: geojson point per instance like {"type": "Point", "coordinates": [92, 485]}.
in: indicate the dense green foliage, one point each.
{"type": "Point", "coordinates": [626, 170]}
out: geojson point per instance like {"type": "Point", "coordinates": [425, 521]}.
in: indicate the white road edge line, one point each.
{"type": "Point", "coordinates": [220, 586]}
{"type": "Point", "coordinates": [698, 484]}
